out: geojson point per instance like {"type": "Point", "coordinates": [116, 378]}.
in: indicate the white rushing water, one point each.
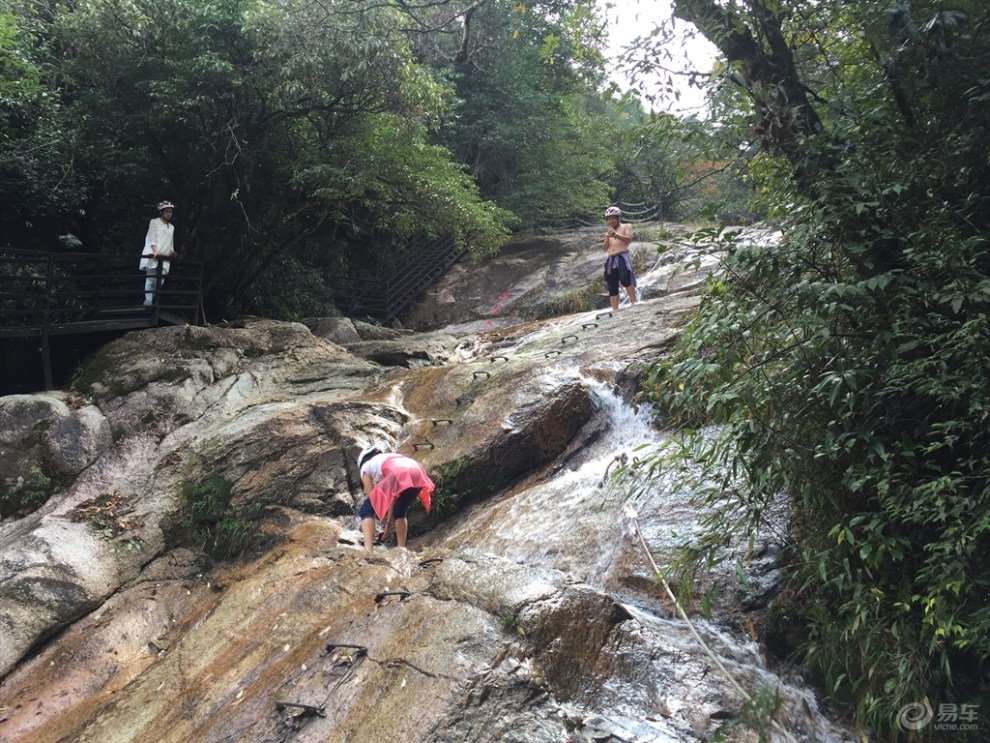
{"type": "Point", "coordinates": [574, 520]}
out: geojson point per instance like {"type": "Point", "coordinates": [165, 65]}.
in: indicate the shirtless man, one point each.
{"type": "Point", "coordinates": [618, 268]}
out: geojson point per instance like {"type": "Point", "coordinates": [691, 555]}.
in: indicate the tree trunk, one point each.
{"type": "Point", "coordinates": [781, 101]}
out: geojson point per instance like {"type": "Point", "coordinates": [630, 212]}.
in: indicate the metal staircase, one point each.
{"type": "Point", "coordinates": [424, 261]}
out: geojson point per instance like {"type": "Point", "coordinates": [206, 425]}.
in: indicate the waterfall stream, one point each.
{"type": "Point", "coordinates": [572, 519]}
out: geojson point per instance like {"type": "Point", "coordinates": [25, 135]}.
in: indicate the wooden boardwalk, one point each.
{"type": "Point", "coordinates": [43, 295]}
{"type": "Point", "coordinates": [47, 294]}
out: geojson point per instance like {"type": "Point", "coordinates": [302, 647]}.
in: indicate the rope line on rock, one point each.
{"type": "Point", "coordinates": [634, 517]}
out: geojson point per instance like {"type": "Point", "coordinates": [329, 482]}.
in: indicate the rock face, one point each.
{"type": "Point", "coordinates": [37, 429]}
{"type": "Point", "coordinates": [198, 576]}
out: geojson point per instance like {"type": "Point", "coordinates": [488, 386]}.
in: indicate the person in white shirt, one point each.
{"type": "Point", "coordinates": [391, 482]}
{"type": "Point", "coordinates": [158, 245]}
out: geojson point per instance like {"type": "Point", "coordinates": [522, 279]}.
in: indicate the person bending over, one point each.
{"type": "Point", "coordinates": [391, 482]}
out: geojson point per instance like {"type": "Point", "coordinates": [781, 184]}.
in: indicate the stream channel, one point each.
{"type": "Point", "coordinates": [576, 519]}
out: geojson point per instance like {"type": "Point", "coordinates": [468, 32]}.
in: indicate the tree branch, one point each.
{"type": "Point", "coordinates": [769, 72]}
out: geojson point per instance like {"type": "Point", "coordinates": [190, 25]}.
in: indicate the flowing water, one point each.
{"type": "Point", "coordinates": [575, 519]}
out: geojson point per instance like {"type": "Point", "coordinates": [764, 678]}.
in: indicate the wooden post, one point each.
{"type": "Point", "coordinates": [46, 361]}
{"type": "Point", "coordinates": [46, 351]}
{"type": "Point", "coordinates": [156, 297]}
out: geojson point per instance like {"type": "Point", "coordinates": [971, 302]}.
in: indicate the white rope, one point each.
{"type": "Point", "coordinates": [629, 213]}
{"type": "Point", "coordinates": [631, 513]}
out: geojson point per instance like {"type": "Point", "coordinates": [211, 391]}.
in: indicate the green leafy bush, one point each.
{"type": "Point", "coordinates": [451, 488]}
{"type": "Point", "coordinates": [864, 396]}
{"type": "Point", "coordinates": [848, 368]}
{"type": "Point", "coordinates": [212, 523]}
{"type": "Point", "coordinates": [22, 495]}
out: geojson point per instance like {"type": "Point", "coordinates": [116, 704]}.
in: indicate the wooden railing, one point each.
{"type": "Point", "coordinates": [387, 297]}
{"type": "Point", "coordinates": [58, 293]}
{"type": "Point", "coordinates": [45, 294]}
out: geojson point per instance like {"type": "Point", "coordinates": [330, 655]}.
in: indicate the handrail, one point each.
{"type": "Point", "coordinates": [41, 290]}
{"type": "Point", "coordinates": [651, 213]}
{"type": "Point", "coordinates": [386, 298]}
{"type": "Point", "coordinates": [44, 294]}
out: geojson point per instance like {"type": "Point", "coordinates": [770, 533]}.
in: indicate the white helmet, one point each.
{"type": "Point", "coordinates": [371, 451]}
{"type": "Point", "coordinates": [613, 211]}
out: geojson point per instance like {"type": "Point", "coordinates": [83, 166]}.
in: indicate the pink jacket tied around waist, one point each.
{"type": "Point", "coordinates": [400, 473]}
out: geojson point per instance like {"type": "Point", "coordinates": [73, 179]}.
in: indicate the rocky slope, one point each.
{"type": "Point", "coordinates": [197, 574]}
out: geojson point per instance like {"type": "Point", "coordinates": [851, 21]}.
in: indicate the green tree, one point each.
{"type": "Point", "coordinates": [677, 165]}
{"type": "Point", "coordinates": [37, 181]}
{"type": "Point", "coordinates": [527, 120]}
{"type": "Point", "coordinates": [848, 365]}
{"type": "Point", "coordinates": [270, 124]}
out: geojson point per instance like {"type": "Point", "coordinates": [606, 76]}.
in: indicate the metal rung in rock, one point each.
{"type": "Point", "coordinates": [307, 708]}
{"type": "Point", "coordinates": [403, 595]}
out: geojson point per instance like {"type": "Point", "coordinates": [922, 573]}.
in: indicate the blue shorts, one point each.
{"type": "Point", "coordinates": [399, 506]}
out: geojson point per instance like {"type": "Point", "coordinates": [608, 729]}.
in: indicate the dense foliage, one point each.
{"type": "Point", "coordinates": [679, 167]}
{"type": "Point", "coordinates": [848, 365]}
{"type": "Point", "coordinates": [525, 112]}
{"type": "Point", "coordinates": [37, 180]}
{"type": "Point", "coordinates": [303, 140]}
{"type": "Point", "coordinates": [268, 123]}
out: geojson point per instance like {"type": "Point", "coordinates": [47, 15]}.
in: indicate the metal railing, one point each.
{"type": "Point", "coordinates": [638, 213]}
{"type": "Point", "coordinates": [385, 298]}
{"type": "Point", "coordinates": [70, 292]}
